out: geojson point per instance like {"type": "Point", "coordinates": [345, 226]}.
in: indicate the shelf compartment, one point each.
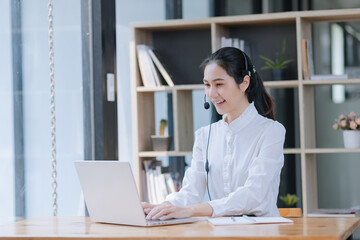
{"type": "Point", "coordinates": [182, 51]}
{"type": "Point", "coordinates": [326, 113]}
{"type": "Point", "coordinates": [341, 170]}
{"type": "Point", "coordinates": [272, 35]}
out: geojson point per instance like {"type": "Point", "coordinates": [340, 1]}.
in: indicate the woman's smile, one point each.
{"type": "Point", "coordinates": [219, 103]}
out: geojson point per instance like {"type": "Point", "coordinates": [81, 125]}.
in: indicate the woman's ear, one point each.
{"type": "Point", "coordinates": [245, 84]}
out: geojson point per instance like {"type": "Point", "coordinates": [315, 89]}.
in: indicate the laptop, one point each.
{"type": "Point", "coordinates": [111, 194]}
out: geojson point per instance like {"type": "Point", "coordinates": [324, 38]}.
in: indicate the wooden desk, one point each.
{"type": "Point", "coordinates": [82, 227]}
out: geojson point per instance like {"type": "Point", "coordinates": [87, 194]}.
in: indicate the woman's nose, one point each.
{"type": "Point", "coordinates": [212, 92]}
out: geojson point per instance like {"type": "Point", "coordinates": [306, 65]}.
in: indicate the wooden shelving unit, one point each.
{"type": "Point", "coordinates": [185, 43]}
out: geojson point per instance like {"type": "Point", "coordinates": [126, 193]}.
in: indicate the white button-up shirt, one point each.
{"type": "Point", "coordinates": [245, 160]}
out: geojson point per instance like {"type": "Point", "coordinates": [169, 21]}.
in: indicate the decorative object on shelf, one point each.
{"type": "Point", "coordinates": [290, 212]}
{"type": "Point", "coordinates": [278, 64]}
{"type": "Point", "coordinates": [161, 142]}
{"type": "Point", "coordinates": [289, 200]}
{"type": "Point", "coordinates": [350, 124]}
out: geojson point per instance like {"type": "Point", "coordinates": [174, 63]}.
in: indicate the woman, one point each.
{"type": "Point", "coordinates": [238, 159]}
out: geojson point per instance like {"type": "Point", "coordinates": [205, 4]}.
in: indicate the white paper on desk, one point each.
{"type": "Point", "coordinates": [248, 220]}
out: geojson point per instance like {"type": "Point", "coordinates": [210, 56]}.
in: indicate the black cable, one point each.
{"type": "Point", "coordinates": [207, 161]}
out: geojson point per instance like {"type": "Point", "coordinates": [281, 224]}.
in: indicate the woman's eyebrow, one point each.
{"type": "Point", "coordinates": [214, 80]}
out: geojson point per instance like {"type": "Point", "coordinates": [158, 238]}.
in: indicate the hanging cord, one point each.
{"type": "Point", "coordinates": [52, 106]}
{"type": "Point", "coordinates": [207, 153]}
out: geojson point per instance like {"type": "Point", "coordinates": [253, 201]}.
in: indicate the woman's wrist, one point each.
{"type": "Point", "coordinates": [201, 209]}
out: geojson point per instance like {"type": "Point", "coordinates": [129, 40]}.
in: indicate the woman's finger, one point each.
{"type": "Point", "coordinates": [147, 210]}
{"type": "Point", "coordinates": [161, 213]}
{"type": "Point", "coordinates": [153, 212]}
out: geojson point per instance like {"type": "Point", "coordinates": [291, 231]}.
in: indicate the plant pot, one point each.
{"type": "Point", "coordinates": [161, 143]}
{"type": "Point", "coordinates": [277, 74]}
{"type": "Point", "coordinates": [351, 138]}
{"type": "Point", "coordinates": [290, 212]}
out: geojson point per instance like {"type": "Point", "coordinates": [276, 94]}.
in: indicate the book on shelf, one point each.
{"type": "Point", "coordinates": [340, 212]}
{"type": "Point", "coordinates": [329, 77]}
{"type": "Point", "coordinates": [146, 71]}
{"type": "Point", "coordinates": [304, 59]}
{"type": "Point", "coordinates": [226, 42]}
{"type": "Point", "coordinates": [152, 70]}
{"type": "Point", "coordinates": [307, 59]}
{"type": "Point", "coordinates": [160, 67]}
{"type": "Point", "coordinates": [159, 183]}
{"type": "Point", "coordinates": [237, 43]}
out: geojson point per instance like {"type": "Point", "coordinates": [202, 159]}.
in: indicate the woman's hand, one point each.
{"type": "Point", "coordinates": [147, 207]}
{"type": "Point", "coordinates": [166, 211]}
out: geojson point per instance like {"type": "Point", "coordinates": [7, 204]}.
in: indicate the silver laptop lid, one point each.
{"type": "Point", "coordinates": [110, 192]}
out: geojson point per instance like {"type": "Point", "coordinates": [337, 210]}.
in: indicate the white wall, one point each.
{"type": "Point", "coordinates": [6, 117]}
{"type": "Point", "coordinates": [69, 120]}
{"type": "Point", "coordinates": [195, 9]}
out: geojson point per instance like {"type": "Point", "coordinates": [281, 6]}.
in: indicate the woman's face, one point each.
{"type": "Point", "coordinates": [227, 96]}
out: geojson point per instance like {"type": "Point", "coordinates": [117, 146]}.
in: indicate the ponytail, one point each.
{"type": "Point", "coordinates": [233, 61]}
{"type": "Point", "coordinates": [257, 93]}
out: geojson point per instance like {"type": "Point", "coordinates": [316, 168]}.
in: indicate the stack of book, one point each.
{"type": "Point", "coordinates": [158, 182]}
{"type": "Point", "coordinates": [237, 43]}
{"type": "Point", "coordinates": [151, 69]}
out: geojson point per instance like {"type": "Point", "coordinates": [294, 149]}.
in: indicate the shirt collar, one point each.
{"type": "Point", "coordinates": [242, 120]}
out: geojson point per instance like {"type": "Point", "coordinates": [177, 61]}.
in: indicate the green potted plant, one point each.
{"type": "Point", "coordinates": [289, 210]}
{"type": "Point", "coordinates": [289, 200]}
{"type": "Point", "coordinates": [161, 142]}
{"type": "Point", "coordinates": [350, 124]}
{"type": "Point", "coordinates": [278, 64]}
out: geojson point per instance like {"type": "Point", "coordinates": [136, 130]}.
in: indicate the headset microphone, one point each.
{"type": "Point", "coordinates": [206, 104]}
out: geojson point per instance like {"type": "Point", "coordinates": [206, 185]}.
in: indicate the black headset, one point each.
{"type": "Point", "coordinates": [207, 106]}
{"type": "Point", "coordinates": [246, 71]}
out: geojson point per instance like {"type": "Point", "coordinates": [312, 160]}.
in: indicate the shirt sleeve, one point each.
{"type": "Point", "coordinates": [194, 183]}
{"type": "Point", "coordinates": [263, 171]}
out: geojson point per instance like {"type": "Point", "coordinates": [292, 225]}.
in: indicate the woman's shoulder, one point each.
{"type": "Point", "coordinates": [272, 126]}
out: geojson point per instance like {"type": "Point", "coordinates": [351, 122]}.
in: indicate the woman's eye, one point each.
{"type": "Point", "coordinates": [219, 84]}
{"type": "Point", "coordinates": [207, 85]}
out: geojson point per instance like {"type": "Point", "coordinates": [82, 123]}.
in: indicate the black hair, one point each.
{"type": "Point", "coordinates": [232, 60]}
